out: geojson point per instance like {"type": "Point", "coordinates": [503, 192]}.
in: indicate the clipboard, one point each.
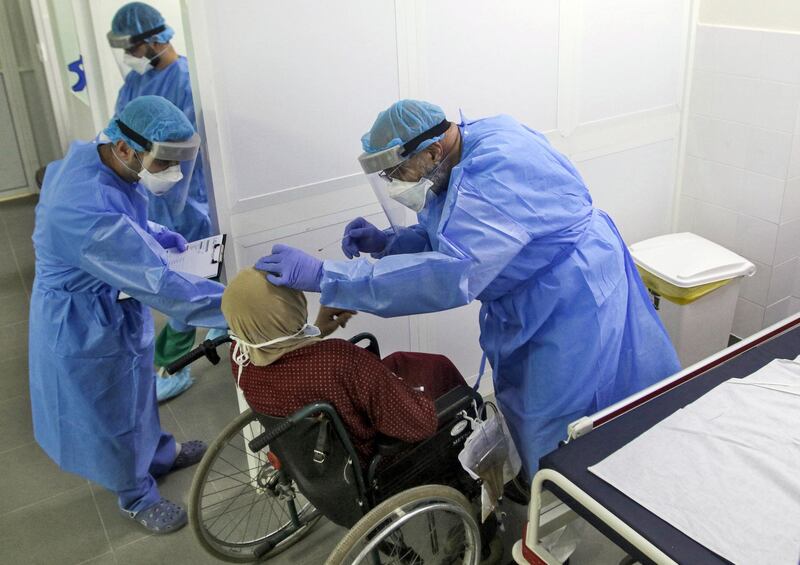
{"type": "Point", "coordinates": [202, 258]}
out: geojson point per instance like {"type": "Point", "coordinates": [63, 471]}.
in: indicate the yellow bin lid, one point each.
{"type": "Point", "coordinates": [682, 267]}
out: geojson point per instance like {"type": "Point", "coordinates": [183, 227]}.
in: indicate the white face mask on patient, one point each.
{"type": "Point", "coordinates": [241, 351]}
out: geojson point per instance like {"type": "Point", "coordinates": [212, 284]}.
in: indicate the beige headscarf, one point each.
{"type": "Point", "coordinates": [258, 311]}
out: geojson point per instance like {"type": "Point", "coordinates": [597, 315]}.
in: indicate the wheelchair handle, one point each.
{"type": "Point", "coordinates": [372, 346]}
{"type": "Point", "coordinates": [206, 349]}
{"type": "Point", "coordinates": [263, 440]}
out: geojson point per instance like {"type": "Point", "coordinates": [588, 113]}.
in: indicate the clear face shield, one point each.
{"type": "Point", "coordinates": [130, 51]}
{"type": "Point", "coordinates": [167, 168]}
{"type": "Point", "coordinates": [374, 165]}
{"type": "Point", "coordinates": [398, 196]}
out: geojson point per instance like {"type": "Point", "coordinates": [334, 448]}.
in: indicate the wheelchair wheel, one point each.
{"type": "Point", "coordinates": [240, 507]}
{"type": "Point", "coordinates": [430, 525]}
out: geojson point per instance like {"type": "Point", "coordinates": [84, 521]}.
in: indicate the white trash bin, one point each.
{"type": "Point", "coordinates": [695, 286]}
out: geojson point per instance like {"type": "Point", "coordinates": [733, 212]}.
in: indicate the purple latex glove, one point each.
{"type": "Point", "coordinates": [360, 235]}
{"type": "Point", "coordinates": [169, 239]}
{"type": "Point", "coordinates": [288, 266]}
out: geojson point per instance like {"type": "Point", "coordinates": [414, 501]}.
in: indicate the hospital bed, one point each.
{"type": "Point", "coordinates": [564, 473]}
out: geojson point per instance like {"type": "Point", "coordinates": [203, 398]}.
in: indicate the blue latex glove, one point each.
{"type": "Point", "coordinates": [360, 235]}
{"type": "Point", "coordinates": [169, 239]}
{"type": "Point", "coordinates": [288, 266]}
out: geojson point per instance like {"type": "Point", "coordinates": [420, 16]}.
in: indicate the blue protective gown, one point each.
{"type": "Point", "coordinates": [173, 83]}
{"type": "Point", "coordinates": [565, 320]}
{"type": "Point", "coordinates": [91, 356]}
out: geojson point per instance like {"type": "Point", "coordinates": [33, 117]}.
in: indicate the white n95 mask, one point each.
{"type": "Point", "coordinates": [139, 64]}
{"type": "Point", "coordinates": [410, 194]}
{"type": "Point", "coordinates": [159, 183]}
{"type": "Point", "coordinates": [241, 351]}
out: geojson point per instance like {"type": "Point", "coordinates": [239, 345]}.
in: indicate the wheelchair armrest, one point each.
{"type": "Point", "coordinates": [387, 445]}
{"type": "Point", "coordinates": [447, 406]}
{"type": "Point", "coordinates": [454, 401]}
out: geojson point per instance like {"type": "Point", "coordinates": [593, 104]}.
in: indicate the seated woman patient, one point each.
{"type": "Point", "coordinates": [282, 364]}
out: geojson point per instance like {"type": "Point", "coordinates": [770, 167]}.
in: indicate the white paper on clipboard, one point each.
{"type": "Point", "coordinates": [202, 258]}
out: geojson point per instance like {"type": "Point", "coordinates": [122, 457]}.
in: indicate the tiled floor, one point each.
{"type": "Point", "coordinates": [48, 516]}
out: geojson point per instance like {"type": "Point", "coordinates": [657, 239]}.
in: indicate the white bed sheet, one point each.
{"type": "Point", "coordinates": [725, 470]}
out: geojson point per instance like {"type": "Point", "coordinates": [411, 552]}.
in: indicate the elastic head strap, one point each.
{"type": "Point", "coordinates": [411, 145]}
{"type": "Point", "coordinates": [141, 140]}
{"type": "Point", "coordinates": [145, 34]}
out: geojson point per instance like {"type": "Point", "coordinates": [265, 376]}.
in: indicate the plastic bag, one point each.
{"type": "Point", "coordinates": [489, 454]}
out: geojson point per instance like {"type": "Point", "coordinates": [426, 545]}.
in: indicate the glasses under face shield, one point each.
{"type": "Point", "coordinates": [391, 181]}
{"type": "Point", "coordinates": [124, 46]}
{"type": "Point", "coordinates": [167, 167]}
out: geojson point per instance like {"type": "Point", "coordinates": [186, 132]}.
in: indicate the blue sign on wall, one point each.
{"type": "Point", "coordinates": [77, 68]}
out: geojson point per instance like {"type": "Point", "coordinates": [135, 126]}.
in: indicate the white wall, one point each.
{"type": "Point", "coordinates": [741, 182]}
{"type": "Point", "coordinates": [58, 42]}
{"type": "Point", "coordinates": [766, 14]}
{"type": "Point", "coordinates": [283, 117]}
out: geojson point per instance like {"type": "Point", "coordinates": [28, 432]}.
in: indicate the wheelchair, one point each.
{"type": "Point", "coordinates": [266, 481]}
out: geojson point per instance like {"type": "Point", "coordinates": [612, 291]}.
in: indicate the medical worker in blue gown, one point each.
{"type": "Point", "coordinates": [140, 39]}
{"type": "Point", "coordinates": [566, 323]}
{"type": "Point", "coordinates": [91, 354]}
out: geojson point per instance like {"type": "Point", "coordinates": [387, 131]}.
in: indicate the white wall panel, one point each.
{"type": "Point", "coordinates": [299, 86]}
{"type": "Point", "coordinates": [635, 187]}
{"type": "Point", "coordinates": [768, 14]}
{"type": "Point", "coordinates": [489, 58]}
{"type": "Point", "coordinates": [393, 333]}
{"type": "Point", "coordinates": [455, 334]}
{"type": "Point", "coordinates": [631, 56]}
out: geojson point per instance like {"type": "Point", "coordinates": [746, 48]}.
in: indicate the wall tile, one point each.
{"type": "Point", "coordinates": [768, 152]}
{"type": "Point", "coordinates": [705, 48]}
{"type": "Point", "coordinates": [718, 140]}
{"type": "Point", "coordinates": [686, 214]}
{"type": "Point", "coordinates": [777, 312]}
{"type": "Point", "coordinates": [713, 182]}
{"type": "Point", "coordinates": [780, 53]}
{"type": "Point", "coordinates": [702, 95]}
{"type": "Point", "coordinates": [794, 159]}
{"type": "Point", "coordinates": [715, 223]}
{"type": "Point", "coordinates": [776, 105]}
{"type": "Point", "coordinates": [738, 51]}
{"type": "Point", "coordinates": [731, 144]}
{"type": "Point", "coordinates": [783, 281]}
{"type": "Point", "coordinates": [755, 239]}
{"type": "Point", "coordinates": [692, 177]}
{"type": "Point", "coordinates": [749, 318]}
{"type": "Point", "coordinates": [756, 288]}
{"type": "Point", "coordinates": [791, 200]}
{"type": "Point", "coordinates": [736, 98]}
{"type": "Point", "coordinates": [788, 244]}
{"type": "Point", "coordinates": [697, 135]}
{"type": "Point", "coordinates": [760, 196]}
